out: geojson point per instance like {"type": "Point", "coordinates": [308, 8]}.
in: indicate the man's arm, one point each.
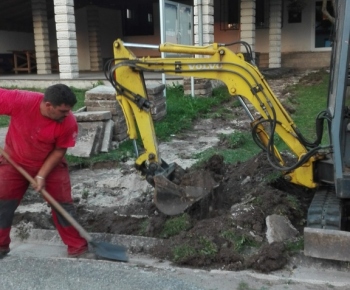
{"type": "Point", "coordinates": [54, 158]}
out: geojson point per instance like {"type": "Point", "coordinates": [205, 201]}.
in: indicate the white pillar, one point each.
{"type": "Point", "coordinates": [275, 33]}
{"type": "Point", "coordinates": [207, 12]}
{"type": "Point", "coordinates": [66, 39]}
{"type": "Point", "coordinates": [248, 24]}
{"type": "Point", "coordinates": [41, 37]}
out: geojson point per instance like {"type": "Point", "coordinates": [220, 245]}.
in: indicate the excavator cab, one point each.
{"type": "Point", "coordinates": [327, 233]}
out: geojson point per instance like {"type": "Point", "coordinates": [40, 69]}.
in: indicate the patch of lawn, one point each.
{"type": "Point", "coordinates": [182, 110]}
{"type": "Point", "coordinates": [175, 225]}
{"type": "Point", "coordinates": [310, 100]}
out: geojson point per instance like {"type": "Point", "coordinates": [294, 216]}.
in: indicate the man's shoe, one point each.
{"type": "Point", "coordinates": [4, 252]}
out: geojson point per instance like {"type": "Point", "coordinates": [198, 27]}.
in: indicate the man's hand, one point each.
{"type": "Point", "coordinates": [40, 183]}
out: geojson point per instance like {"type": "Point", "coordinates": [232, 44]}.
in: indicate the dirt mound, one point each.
{"type": "Point", "coordinates": [227, 228]}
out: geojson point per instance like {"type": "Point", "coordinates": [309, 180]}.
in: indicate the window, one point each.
{"type": "Point", "coordinates": [138, 20]}
{"type": "Point", "coordinates": [229, 14]}
{"type": "Point", "coordinates": [323, 27]}
{"type": "Point", "coordinates": [262, 14]}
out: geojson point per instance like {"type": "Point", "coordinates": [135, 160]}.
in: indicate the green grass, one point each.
{"type": "Point", "coordinates": [183, 110]}
{"type": "Point", "coordinates": [239, 242]}
{"type": "Point", "coordinates": [205, 248]}
{"type": "Point", "coordinates": [310, 100]}
{"type": "Point", "coordinates": [309, 97]}
{"type": "Point", "coordinates": [295, 246]}
{"type": "Point", "coordinates": [175, 225]}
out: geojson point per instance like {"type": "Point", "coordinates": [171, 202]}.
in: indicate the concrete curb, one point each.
{"type": "Point", "coordinates": [46, 246]}
{"type": "Point", "coordinates": [134, 244]}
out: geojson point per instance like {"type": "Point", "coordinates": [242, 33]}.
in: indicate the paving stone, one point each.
{"type": "Point", "coordinates": [89, 141]}
{"type": "Point", "coordinates": [101, 93]}
{"type": "Point", "coordinates": [93, 116]}
{"type": "Point", "coordinates": [327, 244]}
{"type": "Point", "coordinates": [279, 229]}
{"type": "Point", "coordinates": [107, 138]}
{"type": "Point", "coordinates": [153, 89]}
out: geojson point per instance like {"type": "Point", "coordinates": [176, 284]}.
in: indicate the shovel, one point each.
{"type": "Point", "coordinates": [102, 249]}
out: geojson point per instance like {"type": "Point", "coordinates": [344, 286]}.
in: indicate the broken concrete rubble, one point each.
{"type": "Point", "coordinates": [91, 134]}
{"type": "Point", "coordinates": [279, 229]}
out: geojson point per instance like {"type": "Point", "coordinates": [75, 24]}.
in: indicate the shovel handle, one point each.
{"type": "Point", "coordinates": [49, 198]}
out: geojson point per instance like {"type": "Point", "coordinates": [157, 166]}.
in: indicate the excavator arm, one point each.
{"type": "Point", "coordinates": [242, 79]}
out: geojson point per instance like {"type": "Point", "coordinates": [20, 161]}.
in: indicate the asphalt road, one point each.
{"type": "Point", "coordinates": [41, 262]}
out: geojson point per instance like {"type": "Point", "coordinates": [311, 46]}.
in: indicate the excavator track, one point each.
{"type": "Point", "coordinates": [325, 211]}
{"type": "Point", "coordinates": [326, 236]}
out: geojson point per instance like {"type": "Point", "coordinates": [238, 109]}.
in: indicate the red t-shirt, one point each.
{"type": "Point", "coordinates": [31, 136]}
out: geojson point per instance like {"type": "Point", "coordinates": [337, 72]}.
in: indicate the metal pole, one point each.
{"type": "Point", "coordinates": [200, 35]}
{"type": "Point", "coordinates": [162, 37]}
{"type": "Point", "coordinates": [129, 44]}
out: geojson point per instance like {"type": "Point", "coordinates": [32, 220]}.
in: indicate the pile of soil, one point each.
{"type": "Point", "coordinates": [224, 230]}
{"type": "Point", "coordinates": [227, 229]}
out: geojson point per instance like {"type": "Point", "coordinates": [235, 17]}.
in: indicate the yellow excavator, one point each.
{"type": "Point", "coordinates": [325, 168]}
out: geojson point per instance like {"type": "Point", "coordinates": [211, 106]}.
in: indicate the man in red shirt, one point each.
{"type": "Point", "coordinates": [42, 127]}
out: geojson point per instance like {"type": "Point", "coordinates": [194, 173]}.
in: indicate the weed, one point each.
{"type": "Point", "coordinates": [257, 201]}
{"type": "Point", "coordinates": [293, 202]}
{"type": "Point", "coordinates": [243, 286]}
{"type": "Point", "coordinates": [272, 177]}
{"type": "Point", "coordinates": [183, 252]}
{"type": "Point", "coordinates": [295, 246]}
{"type": "Point", "coordinates": [237, 103]}
{"type": "Point", "coordinates": [240, 242]}
{"type": "Point", "coordinates": [235, 140]}
{"type": "Point", "coordinates": [143, 227]}
{"type": "Point", "coordinates": [209, 248]}
{"type": "Point", "coordinates": [98, 83]}
{"type": "Point", "coordinates": [174, 226]}
{"type": "Point", "coordinates": [85, 194]}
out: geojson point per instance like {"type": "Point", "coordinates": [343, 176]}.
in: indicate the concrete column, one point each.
{"type": "Point", "coordinates": [41, 37]}
{"type": "Point", "coordinates": [94, 38]}
{"type": "Point", "coordinates": [66, 39]}
{"type": "Point", "coordinates": [275, 33]}
{"type": "Point", "coordinates": [207, 28]}
{"type": "Point", "coordinates": [248, 24]}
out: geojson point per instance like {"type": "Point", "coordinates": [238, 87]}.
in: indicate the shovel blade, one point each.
{"type": "Point", "coordinates": [110, 251]}
{"type": "Point", "coordinates": [173, 199]}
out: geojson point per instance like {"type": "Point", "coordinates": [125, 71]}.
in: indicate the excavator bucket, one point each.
{"type": "Point", "coordinates": [173, 199]}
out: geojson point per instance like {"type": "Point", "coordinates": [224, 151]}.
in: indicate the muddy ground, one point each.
{"type": "Point", "coordinates": [225, 230]}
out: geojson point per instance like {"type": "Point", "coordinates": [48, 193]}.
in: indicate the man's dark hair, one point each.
{"type": "Point", "coordinates": [60, 94]}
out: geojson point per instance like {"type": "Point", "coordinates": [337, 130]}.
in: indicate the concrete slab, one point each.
{"type": "Point", "coordinates": [101, 93]}
{"type": "Point", "coordinates": [89, 139]}
{"type": "Point", "coordinates": [107, 137]}
{"type": "Point", "coordinates": [327, 244]}
{"type": "Point", "coordinates": [93, 116]}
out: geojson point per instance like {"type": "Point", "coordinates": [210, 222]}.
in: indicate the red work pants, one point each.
{"type": "Point", "coordinates": [12, 189]}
